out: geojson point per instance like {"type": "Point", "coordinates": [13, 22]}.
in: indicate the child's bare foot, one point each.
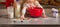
{"type": "Point", "coordinates": [22, 18]}
{"type": "Point", "coordinates": [26, 18]}
{"type": "Point", "coordinates": [45, 16]}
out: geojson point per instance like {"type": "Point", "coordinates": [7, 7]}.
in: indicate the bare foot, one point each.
{"type": "Point", "coordinates": [22, 18]}
{"type": "Point", "coordinates": [27, 18]}
{"type": "Point", "coordinates": [45, 16]}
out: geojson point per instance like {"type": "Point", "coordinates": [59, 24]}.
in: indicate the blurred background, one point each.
{"type": "Point", "coordinates": [47, 4]}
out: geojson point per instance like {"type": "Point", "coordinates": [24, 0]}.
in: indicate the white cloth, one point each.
{"type": "Point", "coordinates": [10, 12]}
{"type": "Point", "coordinates": [54, 12]}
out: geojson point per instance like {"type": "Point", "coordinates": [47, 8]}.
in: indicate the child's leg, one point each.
{"type": "Point", "coordinates": [23, 15]}
{"type": "Point", "coordinates": [23, 12]}
{"type": "Point", "coordinates": [44, 14]}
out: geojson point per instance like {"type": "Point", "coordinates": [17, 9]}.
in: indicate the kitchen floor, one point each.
{"type": "Point", "coordinates": [49, 20]}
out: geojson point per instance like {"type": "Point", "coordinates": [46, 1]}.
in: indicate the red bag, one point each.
{"type": "Point", "coordinates": [35, 12]}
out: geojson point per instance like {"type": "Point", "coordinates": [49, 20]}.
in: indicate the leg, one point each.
{"type": "Point", "coordinates": [44, 14]}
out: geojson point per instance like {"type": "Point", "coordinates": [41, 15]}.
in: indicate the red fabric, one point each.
{"type": "Point", "coordinates": [8, 2]}
{"type": "Point", "coordinates": [35, 11]}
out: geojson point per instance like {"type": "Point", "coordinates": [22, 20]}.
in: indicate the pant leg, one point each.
{"type": "Point", "coordinates": [17, 12]}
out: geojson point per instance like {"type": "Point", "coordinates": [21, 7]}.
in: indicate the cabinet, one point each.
{"type": "Point", "coordinates": [51, 2]}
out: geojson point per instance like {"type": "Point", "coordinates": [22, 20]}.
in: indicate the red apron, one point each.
{"type": "Point", "coordinates": [35, 11]}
